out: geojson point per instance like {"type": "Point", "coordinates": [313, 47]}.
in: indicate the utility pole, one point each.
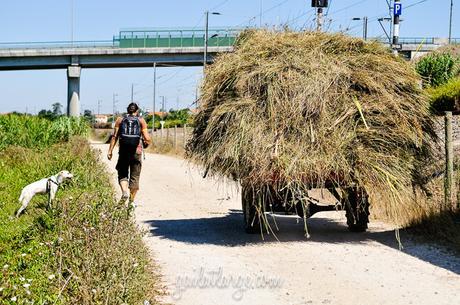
{"type": "Point", "coordinates": [71, 21]}
{"type": "Point", "coordinates": [99, 107]}
{"type": "Point", "coordinates": [154, 95]}
{"type": "Point", "coordinates": [319, 19]}
{"type": "Point", "coordinates": [450, 20]}
{"type": "Point", "coordinates": [163, 104]}
{"type": "Point", "coordinates": [114, 102]}
{"type": "Point", "coordinates": [319, 5]}
{"type": "Point", "coordinates": [390, 18]}
{"type": "Point", "coordinates": [396, 13]}
{"type": "Point", "coordinates": [365, 22]}
{"type": "Point", "coordinates": [389, 38]}
{"type": "Point", "coordinates": [132, 92]}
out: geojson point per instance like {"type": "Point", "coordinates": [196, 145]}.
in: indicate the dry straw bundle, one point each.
{"type": "Point", "coordinates": [301, 110]}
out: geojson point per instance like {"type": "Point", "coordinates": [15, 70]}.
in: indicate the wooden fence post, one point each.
{"type": "Point", "coordinates": [185, 135]}
{"type": "Point", "coordinates": [449, 174]}
{"type": "Point", "coordinates": [457, 187]}
{"type": "Point", "coordinates": [175, 137]}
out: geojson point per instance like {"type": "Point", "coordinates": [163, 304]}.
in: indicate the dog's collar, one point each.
{"type": "Point", "coordinates": [55, 182]}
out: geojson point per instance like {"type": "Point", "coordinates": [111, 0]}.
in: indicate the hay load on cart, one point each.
{"type": "Point", "coordinates": [287, 112]}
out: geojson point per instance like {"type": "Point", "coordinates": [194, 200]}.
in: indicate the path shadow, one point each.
{"type": "Point", "coordinates": [227, 231]}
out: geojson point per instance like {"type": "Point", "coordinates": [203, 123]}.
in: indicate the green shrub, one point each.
{"type": "Point", "coordinates": [36, 132]}
{"type": "Point", "coordinates": [437, 68]}
{"type": "Point", "coordinates": [172, 123]}
{"type": "Point", "coordinates": [173, 118]}
{"type": "Point", "coordinates": [446, 97]}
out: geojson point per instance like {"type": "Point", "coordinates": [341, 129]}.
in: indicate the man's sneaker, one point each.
{"type": "Point", "coordinates": [124, 196]}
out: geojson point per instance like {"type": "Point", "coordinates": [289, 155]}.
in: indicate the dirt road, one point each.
{"type": "Point", "coordinates": [196, 236]}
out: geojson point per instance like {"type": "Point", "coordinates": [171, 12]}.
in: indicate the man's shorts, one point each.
{"type": "Point", "coordinates": [129, 167]}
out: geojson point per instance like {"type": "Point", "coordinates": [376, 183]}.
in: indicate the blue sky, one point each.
{"type": "Point", "coordinates": [50, 20]}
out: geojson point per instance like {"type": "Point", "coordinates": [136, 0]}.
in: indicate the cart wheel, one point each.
{"type": "Point", "coordinates": [251, 217]}
{"type": "Point", "coordinates": [357, 209]}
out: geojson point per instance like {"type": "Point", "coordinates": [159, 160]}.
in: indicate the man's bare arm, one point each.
{"type": "Point", "coordinates": [145, 132]}
{"type": "Point", "coordinates": [114, 139]}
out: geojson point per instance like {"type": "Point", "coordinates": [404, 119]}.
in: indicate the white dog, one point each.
{"type": "Point", "coordinates": [44, 186]}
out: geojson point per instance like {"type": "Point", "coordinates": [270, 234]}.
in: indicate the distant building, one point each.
{"type": "Point", "coordinates": [161, 114]}
{"type": "Point", "coordinates": [101, 118]}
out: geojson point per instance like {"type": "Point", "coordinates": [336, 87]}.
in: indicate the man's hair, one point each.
{"type": "Point", "coordinates": [132, 108]}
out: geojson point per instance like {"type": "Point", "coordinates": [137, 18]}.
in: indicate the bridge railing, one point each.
{"type": "Point", "coordinates": [175, 38]}
{"type": "Point", "coordinates": [59, 44]}
{"type": "Point", "coordinates": [420, 40]}
{"type": "Point", "coordinates": [179, 39]}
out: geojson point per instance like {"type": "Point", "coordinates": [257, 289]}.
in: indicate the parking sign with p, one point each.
{"type": "Point", "coordinates": [398, 9]}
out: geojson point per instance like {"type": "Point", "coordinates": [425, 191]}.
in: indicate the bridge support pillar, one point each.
{"type": "Point", "coordinates": [73, 90]}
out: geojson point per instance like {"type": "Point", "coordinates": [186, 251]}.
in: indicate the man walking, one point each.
{"type": "Point", "coordinates": [132, 132]}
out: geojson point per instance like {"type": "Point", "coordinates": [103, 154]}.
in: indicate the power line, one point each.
{"type": "Point", "coordinates": [218, 5]}
{"type": "Point", "coordinates": [416, 3]}
{"type": "Point", "coordinates": [312, 11]}
{"type": "Point", "coordinates": [263, 12]}
{"type": "Point", "coordinates": [349, 6]}
{"type": "Point", "coordinates": [328, 8]}
{"type": "Point", "coordinates": [332, 13]}
{"type": "Point", "coordinates": [375, 18]}
{"type": "Point", "coordinates": [172, 76]}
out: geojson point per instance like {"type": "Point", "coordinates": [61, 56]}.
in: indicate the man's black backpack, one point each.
{"type": "Point", "coordinates": [130, 131]}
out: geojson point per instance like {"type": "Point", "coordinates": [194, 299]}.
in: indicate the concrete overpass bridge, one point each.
{"type": "Point", "coordinates": [141, 48]}
{"type": "Point", "coordinates": [131, 48]}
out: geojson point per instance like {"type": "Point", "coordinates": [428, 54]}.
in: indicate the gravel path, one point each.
{"type": "Point", "coordinates": [195, 233]}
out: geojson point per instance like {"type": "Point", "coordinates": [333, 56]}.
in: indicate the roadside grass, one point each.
{"type": "Point", "coordinates": [85, 250]}
{"type": "Point", "coordinates": [166, 147]}
{"type": "Point", "coordinates": [426, 217]}
{"type": "Point", "coordinates": [101, 135]}
{"type": "Point", "coordinates": [165, 144]}
{"type": "Point", "coordinates": [434, 223]}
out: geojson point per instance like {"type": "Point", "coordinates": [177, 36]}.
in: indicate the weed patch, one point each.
{"type": "Point", "coordinates": [83, 251]}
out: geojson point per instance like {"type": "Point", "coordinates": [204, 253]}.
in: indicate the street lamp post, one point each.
{"type": "Point", "coordinates": [206, 38]}
{"type": "Point", "coordinates": [364, 19]}
{"type": "Point", "coordinates": [450, 20]}
{"type": "Point", "coordinates": [154, 95]}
